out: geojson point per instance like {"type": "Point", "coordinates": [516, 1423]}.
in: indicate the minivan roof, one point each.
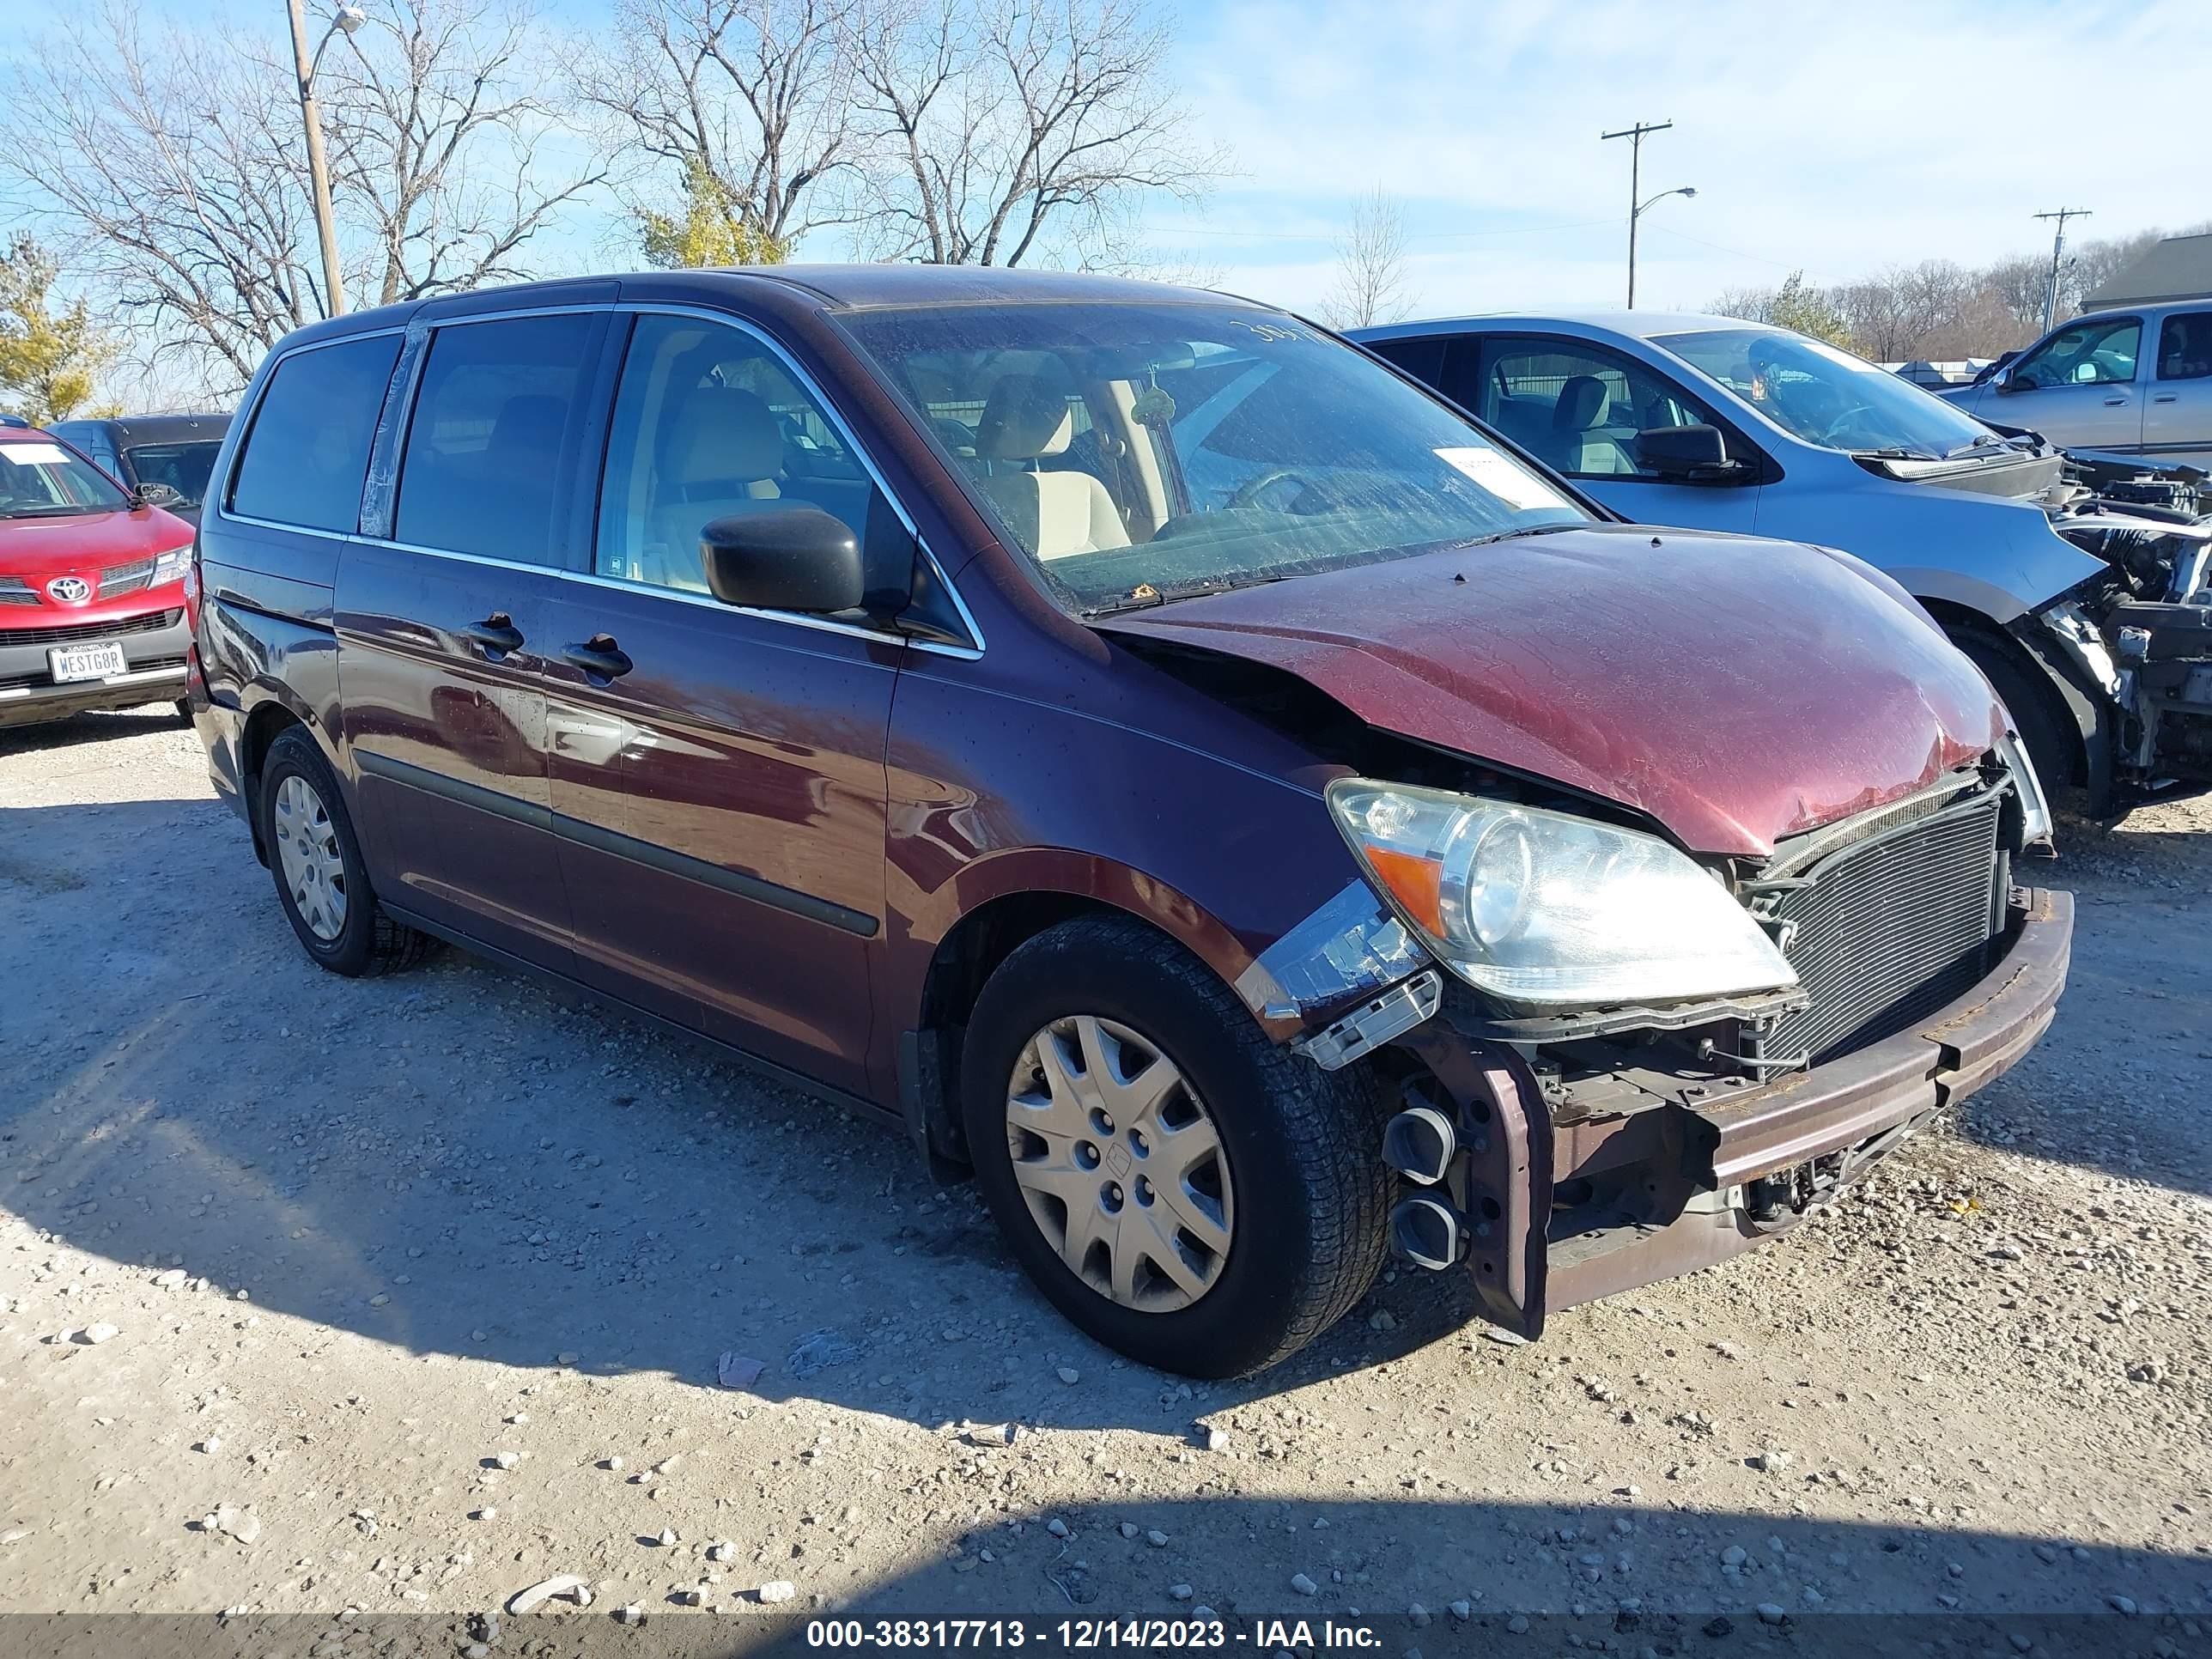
{"type": "Point", "coordinates": [130, 430]}
{"type": "Point", "coordinates": [1637, 324]}
{"type": "Point", "coordinates": [827, 287]}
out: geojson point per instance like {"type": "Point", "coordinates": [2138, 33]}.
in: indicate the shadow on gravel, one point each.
{"type": "Point", "coordinates": [456, 1163]}
{"type": "Point", "coordinates": [1437, 1577]}
{"type": "Point", "coordinates": [100, 726]}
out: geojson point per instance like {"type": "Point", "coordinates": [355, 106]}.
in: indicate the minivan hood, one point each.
{"type": "Point", "coordinates": [1736, 690]}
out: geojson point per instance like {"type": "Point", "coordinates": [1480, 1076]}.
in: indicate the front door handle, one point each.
{"type": "Point", "coordinates": [2116, 403]}
{"type": "Point", "coordinates": [600, 656]}
{"type": "Point", "coordinates": [495, 635]}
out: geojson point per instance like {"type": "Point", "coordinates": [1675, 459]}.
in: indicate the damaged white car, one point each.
{"type": "Point", "coordinates": [2081, 583]}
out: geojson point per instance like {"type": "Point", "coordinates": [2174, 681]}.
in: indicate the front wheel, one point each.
{"type": "Point", "coordinates": [2036, 710]}
{"type": "Point", "coordinates": [1181, 1188]}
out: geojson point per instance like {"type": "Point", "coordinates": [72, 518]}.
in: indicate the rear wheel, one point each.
{"type": "Point", "coordinates": [2038, 713]}
{"type": "Point", "coordinates": [1181, 1188]}
{"type": "Point", "coordinates": [316, 861]}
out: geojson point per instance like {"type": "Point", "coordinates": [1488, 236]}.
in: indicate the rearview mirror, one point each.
{"type": "Point", "coordinates": [1689, 454]}
{"type": "Point", "coordinates": [783, 556]}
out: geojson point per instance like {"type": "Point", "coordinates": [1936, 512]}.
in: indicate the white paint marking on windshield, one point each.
{"type": "Point", "coordinates": [1498, 474]}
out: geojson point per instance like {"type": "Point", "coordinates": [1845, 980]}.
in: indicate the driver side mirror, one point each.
{"type": "Point", "coordinates": [783, 556]}
{"type": "Point", "coordinates": [150, 494]}
{"type": "Point", "coordinates": [1689, 454]}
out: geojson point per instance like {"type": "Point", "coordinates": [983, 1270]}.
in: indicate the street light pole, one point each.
{"type": "Point", "coordinates": [1635, 136]}
{"type": "Point", "coordinates": [2057, 246]}
{"type": "Point", "coordinates": [347, 18]}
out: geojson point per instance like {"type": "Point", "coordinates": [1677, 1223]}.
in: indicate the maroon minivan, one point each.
{"type": "Point", "coordinates": [1164, 758]}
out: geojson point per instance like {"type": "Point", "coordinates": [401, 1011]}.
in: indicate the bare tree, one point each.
{"type": "Point", "coordinates": [168, 170]}
{"type": "Point", "coordinates": [1001, 133]}
{"type": "Point", "coordinates": [748, 102]}
{"type": "Point", "coordinates": [436, 127]}
{"type": "Point", "coordinates": [1372, 278]}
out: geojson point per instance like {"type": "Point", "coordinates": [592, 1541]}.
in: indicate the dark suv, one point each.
{"type": "Point", "coordinates": [1165, 759]}
{"type": "Point", "coordinates": [166, 458]}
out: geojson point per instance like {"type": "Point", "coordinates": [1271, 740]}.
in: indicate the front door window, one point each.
{"type": "Point", "coordinates": [1579, 409]}
{"type": "Point", "coordinates": [2095, 351]}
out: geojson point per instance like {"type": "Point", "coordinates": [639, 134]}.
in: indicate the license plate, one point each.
{"type": "Point", "coordinates": [86, 662]}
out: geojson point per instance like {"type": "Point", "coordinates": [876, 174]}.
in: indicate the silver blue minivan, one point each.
{"type": "Point", "coordinates": [2078, 584]}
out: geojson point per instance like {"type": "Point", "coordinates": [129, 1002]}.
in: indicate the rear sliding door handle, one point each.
{"type": "Point", "coordinates": [599, 656]}
{"type": "Point", "coordinates": [2166, 398]}
{"type": "Point", "coordinates": [495, 635]}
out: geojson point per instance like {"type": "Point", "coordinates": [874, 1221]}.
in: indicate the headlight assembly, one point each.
{"type": "Point", "coordinates": [169, 564]}
{"type": "Point", "coordinates": [1548, 910]}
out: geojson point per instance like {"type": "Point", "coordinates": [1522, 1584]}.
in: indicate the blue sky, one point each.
{"type": "Point", "coordinates": [1836, 139]}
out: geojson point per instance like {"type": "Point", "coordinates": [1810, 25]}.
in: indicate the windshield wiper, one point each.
{"type": "Point", "coordinates": [63, 511]}
{"type": "Point", "coordinates": [1511, 535]}
{"type": "Point", "coordinates": [1145, 597]}
{"type": "Point", "coordinates": [1899, 452]}
{"type": "Point", "coordinates": [1978, 446]}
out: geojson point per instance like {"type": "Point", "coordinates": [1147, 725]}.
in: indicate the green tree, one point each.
{"type": "Point", "coordinates": [47, 359]}
{"type": "Point", "coordinates": [710, 231]}
{"type": "Point", "coordinates": [1798, 305]}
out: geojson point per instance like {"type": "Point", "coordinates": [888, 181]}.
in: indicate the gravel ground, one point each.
{"type": "Point", "coordinates": [399, 1296]}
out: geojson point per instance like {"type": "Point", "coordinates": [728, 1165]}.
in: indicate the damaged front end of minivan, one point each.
{"type": "Point", "coordinates": [1633, 1063]}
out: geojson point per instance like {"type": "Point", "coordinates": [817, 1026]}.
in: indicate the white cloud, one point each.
{"type": "Point", "coordinates": [1836, 139]}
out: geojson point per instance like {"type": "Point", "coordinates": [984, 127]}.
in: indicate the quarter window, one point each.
{"type": "Point", "coordinates": [706, 421]}
{"type": "Point", "coordinates": [1579, 410]}
{"type": "Point", "coordinates": [309, 452]}
{"type": "Point", "coordinates": [2185, 346]}
{"type": "Point", "coordinates": [2091, 352]}
{"type": "Point", "coordinates": [484, 468]}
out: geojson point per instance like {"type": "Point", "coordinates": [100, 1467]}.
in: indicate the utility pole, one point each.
{"type": "Point", "coordinates": [2057, 247]}
{"type": "Point", "coordinates": [348, 18]}
{"type": "Point", "coordinates": [1635, 136]}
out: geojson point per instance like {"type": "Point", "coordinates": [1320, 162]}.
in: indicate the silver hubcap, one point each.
{"type": "Point", "coordinates": [307, 855]}
{"type": "Point", "coordinates": [1121, 1165]}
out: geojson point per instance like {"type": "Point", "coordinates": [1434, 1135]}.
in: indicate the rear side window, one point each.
{"type": "Point", "coordinates": [482, 471]}
{"type": "Point", "coordinates": [305, 460]}
{"type": "Point", "coordinates": [2185, 346]}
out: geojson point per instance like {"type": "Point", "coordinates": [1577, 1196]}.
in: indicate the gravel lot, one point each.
{"type": "Point", "coordinates": [399, 1296]}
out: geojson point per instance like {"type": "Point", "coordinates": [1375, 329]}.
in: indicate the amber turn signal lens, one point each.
{"type": "Point", "coordinates": [1416, 883]}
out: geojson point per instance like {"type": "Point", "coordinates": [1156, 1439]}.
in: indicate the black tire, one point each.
{"type": "Point", "coordinates": [2054, 749]}
{"type": "Point", "coordinates": [183, 708]}
{"type": "Point", "coordinates": [369, 942]}
{"type": "Point", "coordinates": [1302, 1146]}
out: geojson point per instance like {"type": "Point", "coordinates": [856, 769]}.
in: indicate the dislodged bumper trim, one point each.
{"type": "Point", "coordinates": [1843, 1103]}
{"type": "Point", "coordinates": [1856, 1109]}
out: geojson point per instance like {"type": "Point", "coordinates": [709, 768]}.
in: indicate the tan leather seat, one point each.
{"type": "Point", "coordinates": [727, 450]}
{"type": "Point", "coordinates": [1054, 514]}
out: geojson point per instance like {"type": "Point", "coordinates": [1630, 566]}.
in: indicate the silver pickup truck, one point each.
{"type": "Point", "coordinates": [2133, 382]}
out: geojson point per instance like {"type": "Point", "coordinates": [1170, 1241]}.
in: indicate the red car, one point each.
{"type": "Point", "coordinates": [92, 587]}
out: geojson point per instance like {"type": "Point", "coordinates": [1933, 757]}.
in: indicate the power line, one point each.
{"type": "Point", "coordinates": [2057, 246]}
{"type": "Point", "coordinates": [1635, 135]}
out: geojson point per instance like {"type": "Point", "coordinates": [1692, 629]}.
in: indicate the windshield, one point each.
{"type": "Point", "coordinates": [1829, 398]}
{"type": "Point", "coordinates": [41, 480]}
{"type": "Point", "coordinates": [184, 467]}
{"type": "Point", "coordinates": [1137, 451]}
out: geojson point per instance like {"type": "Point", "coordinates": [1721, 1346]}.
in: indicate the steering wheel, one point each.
{"type": "Point", "coordinates": [1260, 483]}
{"type": "Point", "coordinates": [1833, 433]}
